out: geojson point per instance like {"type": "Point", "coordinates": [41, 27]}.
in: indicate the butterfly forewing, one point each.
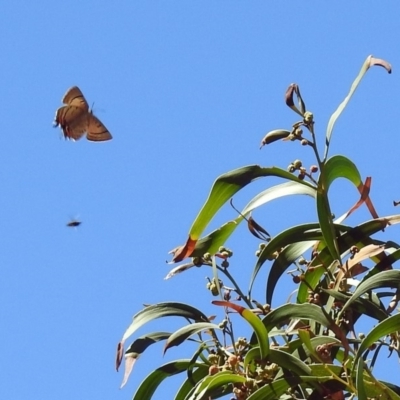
{"type": "Point", "coordinates": [74, 97]}
{"type": "Point", "coordinates": [96, 131]}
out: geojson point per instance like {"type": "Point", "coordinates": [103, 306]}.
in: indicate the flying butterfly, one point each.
{"type": "Point", "coordinates": [75, 118]}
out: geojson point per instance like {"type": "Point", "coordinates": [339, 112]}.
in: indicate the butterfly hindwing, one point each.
{"type": "Point", "coordinates": [96, 131]}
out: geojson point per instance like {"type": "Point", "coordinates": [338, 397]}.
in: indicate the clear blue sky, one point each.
{"type": "Point", "coordinates": [187, 89]}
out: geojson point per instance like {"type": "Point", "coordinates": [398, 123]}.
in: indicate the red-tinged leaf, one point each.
{"type": "Point", "coordinates": [181, 252]}
{"type": "Point", "coordinates": [294, 88]}
{"type": "Point", "coordinates": [382, 63]}
{"type": "Point", "coordinates": [129, 363]}
{"type": "Point", "coordinates": [120, 354]}
{"type": "Point", "coordinates": [257, 230]}
{"type": "Point", "coordinates": [364, 190]}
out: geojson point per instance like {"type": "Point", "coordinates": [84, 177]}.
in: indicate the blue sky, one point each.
{"type": "Point", "coordinates": [188, 89]}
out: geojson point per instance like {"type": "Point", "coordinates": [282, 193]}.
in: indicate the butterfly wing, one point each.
{"type": "Point", "coordinates": [73, 120]}
{"type": "Point", "coordinates": [96, 131]}
{"type": "Point", "coordinates": [74, 97]}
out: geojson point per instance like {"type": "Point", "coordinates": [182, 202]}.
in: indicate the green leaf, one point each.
{"type": "Point", "coordinates": [150, 384]}
{"type": "Point", "coordinates": [185, 332]}
{"type": "Point", "coordinates": [278, 191]}
{"type": "Point", "coordinates": [161, 310]}
{"type": "Point", "coordinates": [361, 392]}
{"type": "Point", "coordinates": [291, 311]}
{"type": "Point", "coordinates": [384, 328]}
{"type": "Point", "coordinates": [382, 279]}
{"type": "Point", "coordinates": [367, 64]}
{"type": "Point", "coordinates": [259, 329]}
{"type": "Point", "coordinates": [286, 257]}
{"type": "Point", "coordinates": [300, 233]}
{"type": "Point", "coordinates": [222, 191]}
{"type": "Point", "coordinates": [226, 186]}
{"type": "Point", "coordinates": [351, 236]}
{"type": "Point", "coordinates": [275, 389]}
{"type": "Point", "coordinates": [187, 386]}
{"type": "Point", "coordinates": [361, 305]}
{"type": "Point", "coordinates": [215, 239]}
{"type": "Point", "coordinates": [143, 342]}
{"type": "Point", "coordinates": [336, 167]}
{"type": "Point", "coordinates": [282, 358]}
{"type": "Point", "coordinates": [212, 383]}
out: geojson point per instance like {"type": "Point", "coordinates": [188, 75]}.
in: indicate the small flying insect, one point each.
{"type": "Point", "coordinates": [74, 223]}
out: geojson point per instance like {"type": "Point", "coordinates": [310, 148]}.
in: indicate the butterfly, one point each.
{"type": "Point", "coordinates": [75, 118]}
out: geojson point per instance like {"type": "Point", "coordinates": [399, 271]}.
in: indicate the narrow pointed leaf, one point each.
{"type": "Point", "coordinates": [212, 383]}
{"type": "Point", "coordinates": [278, 191]}
{"type": "Point", "coordinates": [222, 190]}
{"type": "Point", "coordinates": [187, 385]}
{"type": "Point", "coordinates": [137, 348]}
{"type": "Point", "coordinates": [361, 392]}
{"type": "Point", "coordinates": [352, 236]}
{"type": "Point", "coordinates": [386, 327]}
{"type": "Point", "coordinates": [185, 332]}
{"type": "Point", "coordinates": [383, 279]}
{"type": "Point", "coordinates": [161, 310]}
{"type": "Point", "coordinates": [370, 61]}
{"type": "Point", "coordinates": [296, 234]}
{"type": "Point", "coordinates": [304, 311]}
{"type": "Point", "coordinates": [289, 254]}
{"type": "Point", "coordinates": [275, 389]}
{"type": "Point", "coordinates": [150, 384]}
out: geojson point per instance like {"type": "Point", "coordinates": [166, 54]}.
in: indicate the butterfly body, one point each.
{"type": "Point", "coordinates": [75, 119]}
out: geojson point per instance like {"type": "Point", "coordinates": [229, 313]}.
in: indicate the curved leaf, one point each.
{"type": "Point", "coordinates": [275, 389]}
{"type": "Point", "coordinates": [286, 257]}
{"type": "Point", "coordinates": [150, 384]}
{"type": "Point", "coordinates": [370, 61]}
{"type": "Point", "coordinates": [212, 242]}
{"type": "Point", "coordinates": [384, 328]}
{"type": "Point", "coordinates": [138, 347]}
{"type": "Point", "coordinates": [380, 280]}
{"type": "Point", "coordinates": [185, 332]}
{"type": "Point", "coordinates": [188, 385]}
{"type": "Point", "coordinates": [282, 358]}
{"type": "Point", "coordinates": [222, 190]}
{"type": "Point", "coordinates": [161, 310]}
{"type": "Point", "coordinates": [352, 236]}
{"type": "Point", "coordinates": [287, 312]}
{"type": "Point", "coordinates": [299, 233]}
{"type": "Point", "coordinates": [278, 191]}
{"type": "Point", "coordinates": [212, 383]}
{"type": "Point", "coordinates": [336, 167]}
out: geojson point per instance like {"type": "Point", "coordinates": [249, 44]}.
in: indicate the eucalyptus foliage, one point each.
{"type": "Point", "coordinates": [308, 348]}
